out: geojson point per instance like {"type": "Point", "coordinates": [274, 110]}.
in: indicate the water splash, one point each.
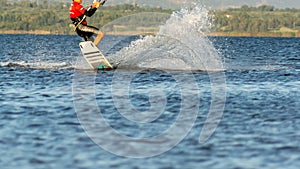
{"type": "Point", "coordinates": [180, 44]}
{"type": "Point", "coordinates": [38, 65]}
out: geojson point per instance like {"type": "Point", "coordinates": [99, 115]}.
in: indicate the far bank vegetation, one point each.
{"type": "Point", "coordinates": [26, 17]}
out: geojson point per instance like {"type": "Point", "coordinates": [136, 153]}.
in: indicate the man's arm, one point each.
{"type": "Point", "coordinates": [91, 10]}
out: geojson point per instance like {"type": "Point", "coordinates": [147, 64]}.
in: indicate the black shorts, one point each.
{"type": "Point", "coordinates": [86, 31]}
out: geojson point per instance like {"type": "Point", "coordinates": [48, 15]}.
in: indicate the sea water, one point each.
{"type": "Point", "coordinates": [55, 116]}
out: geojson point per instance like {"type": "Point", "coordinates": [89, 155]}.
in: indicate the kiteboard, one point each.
{"type": "Point", "coordinates": [94, 57]}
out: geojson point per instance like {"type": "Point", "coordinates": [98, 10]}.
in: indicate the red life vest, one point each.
{"type": "Point", "coordinates": [77, 11]}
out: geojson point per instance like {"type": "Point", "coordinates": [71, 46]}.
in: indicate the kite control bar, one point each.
{"type": "Point", "coordinates": [101, 2]}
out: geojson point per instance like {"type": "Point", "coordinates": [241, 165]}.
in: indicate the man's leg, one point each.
{"type": "Point", "coordinates": [99, 33]}
{"type": "Point", "coordinates": [99, 37]}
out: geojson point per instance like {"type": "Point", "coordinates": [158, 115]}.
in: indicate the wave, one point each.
{"type": "Point", "coordinates": [261, 67]}
{"type": "Point", "coordinates": [39, 65]}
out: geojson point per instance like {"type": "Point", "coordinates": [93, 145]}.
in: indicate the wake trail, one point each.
{"type": "Point", "coordinates": [39, 65]}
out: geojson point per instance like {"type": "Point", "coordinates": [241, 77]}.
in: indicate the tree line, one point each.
{"type": "Point", "coordinates": [54, 17]}
{"type": "Point", "coordinates": [257, 19]}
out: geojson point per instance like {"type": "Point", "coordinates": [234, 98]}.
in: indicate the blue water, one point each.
{"type": "Point", "coordinates": [41, 105]}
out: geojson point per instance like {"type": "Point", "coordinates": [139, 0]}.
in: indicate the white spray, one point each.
{"type": "Point", "coordinates": [180, 44]}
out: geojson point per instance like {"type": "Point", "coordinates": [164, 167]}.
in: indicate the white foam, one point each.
{"type": "Point", "coordinates": [180, 44]}
{"type": "Point", "coordinates": [38, 65]}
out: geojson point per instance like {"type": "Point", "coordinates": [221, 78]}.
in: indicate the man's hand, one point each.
{"type": "Point", "coordinates": [96, 4]}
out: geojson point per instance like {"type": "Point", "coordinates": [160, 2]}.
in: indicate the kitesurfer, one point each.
{"type": "Point", "coordinates": [78, 15]}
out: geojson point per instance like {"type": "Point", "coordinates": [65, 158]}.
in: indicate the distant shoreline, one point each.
{"type": "Point", "coordinates": [260, 34]}
{"type": "Point", "coordinates": [229, 34]}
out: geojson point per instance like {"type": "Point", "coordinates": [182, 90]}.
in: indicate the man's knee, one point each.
{"type": "Point", "coordinates": [101, 33]}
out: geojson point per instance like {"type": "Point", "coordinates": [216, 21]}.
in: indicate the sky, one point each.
{"type": "Point", "coordinates": [213, 3]}
{"type": "Point", "coordinates": [276, 3]}
{"type": "Point", "coordinates": [210, 3]}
